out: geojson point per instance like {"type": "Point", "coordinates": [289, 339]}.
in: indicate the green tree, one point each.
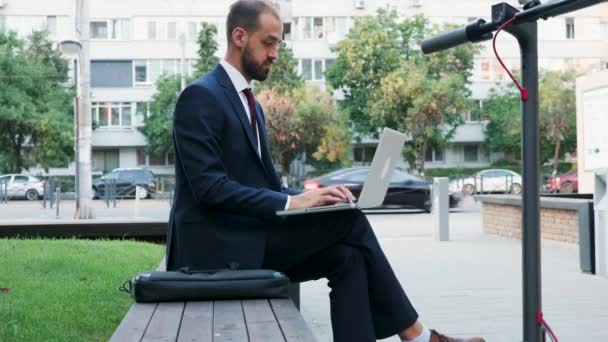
{"type": "Point", "coordinates": [158, 127]}
{"type": "Point", "coordinates": [36, 112]}
{"type": "Point", "coordinates": [370, 51]}
{"type": "Point", "coordinates": [283, 76]}
{"type": "Point", "coordinates": [557, 118]}
{"type": "Point", "coordinates": [207, 47]}
{"type": "Point", "coordinates": [389, 82]}
{"type": "Point", "coordinates": [304, 122]}
{"type": "Point", "coordinates": [557, 112]}
{"type": "Point", "coordinates": [503, 132]}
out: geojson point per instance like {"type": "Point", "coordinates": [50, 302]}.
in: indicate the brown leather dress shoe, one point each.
{"type": "Point", "coordinates": [437, 337]}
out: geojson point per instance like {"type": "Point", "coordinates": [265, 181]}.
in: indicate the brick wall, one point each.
{"type": "Point", "coordinates": [506, 220]}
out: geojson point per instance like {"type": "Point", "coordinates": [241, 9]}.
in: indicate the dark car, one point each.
{"type": "Point", "coordinates": [405, 190]}
{"type": "Point", "coordinates": [126, 180]}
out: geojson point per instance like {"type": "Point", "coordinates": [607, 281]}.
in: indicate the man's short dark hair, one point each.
{"type": "Point", "coordinates": [246, 14]}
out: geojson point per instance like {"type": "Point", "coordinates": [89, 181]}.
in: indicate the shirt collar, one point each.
{"type": "Point", "coordinates": [238, 80]}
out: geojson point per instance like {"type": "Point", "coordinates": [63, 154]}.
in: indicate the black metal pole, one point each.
{"type": "Point", "coordinates": [527, 36]}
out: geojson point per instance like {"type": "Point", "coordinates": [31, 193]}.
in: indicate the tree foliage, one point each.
{"type": "Point", "coordinates": [158, 127]}
{"type": "Point", "coordinates": [207, 47]}
{"type": "Point", "coordinates": [36, 111]}
{"type": "Point", "coordinates": [503, 131]}
{"type": "Point", "coordinates": [557, 117]}
{"type": "Point", "coordinates": [305, 121]}
{"type": "Point", "coordinates": [557, 110]}
{"type": "Point", "coordinates": [388, 82]}
{"type": "Point", "coordinates": [283, 76]}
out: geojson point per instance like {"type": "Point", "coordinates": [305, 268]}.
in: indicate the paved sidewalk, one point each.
{"type": "Point", "coordinates": [472, 284]}
{"type": "Point", "coordinates": [469, 285]}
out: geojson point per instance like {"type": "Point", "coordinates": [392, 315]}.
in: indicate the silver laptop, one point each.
{"type": "Point", "coordinates": [378, 179]}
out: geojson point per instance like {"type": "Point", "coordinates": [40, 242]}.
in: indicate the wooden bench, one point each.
{"type": "Point", "coordinates": [263, 320]}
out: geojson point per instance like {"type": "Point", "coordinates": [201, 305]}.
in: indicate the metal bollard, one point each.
{"type": "Point", "coordinates": [51, 194]}
{"type": "Point", "coordinates": [4, 192]}
{"type": "Point", "coordinates": [441, 208]}
{"type": "Point", "coordinates": [136, 202]}
{"type": "Point", "coordinates": [106, 193]}
{"type": "Point", "coordinates": [114, 191]}
{"type": "Point", "coordinates": [58, 199]}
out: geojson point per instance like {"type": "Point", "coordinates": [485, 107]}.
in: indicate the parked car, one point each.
{"type": "Point", "coordinates": [489, 181]}
{"type": "Point", "coordinates": [405, 190]}
{"type": "Point", "coordinates": [22, 186]}
{"type": "Point", "coordinates": [566, 183]}
{"type": "Point", "coordinates": [126, 180]}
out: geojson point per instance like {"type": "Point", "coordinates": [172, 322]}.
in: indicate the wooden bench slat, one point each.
{"type": "Point", "coordinates": [197, 322]}
{"type": "Point", "coordinates": [164, 325]}
{"type": "Point", "coordinates": [229, 322]}
{"type": "Point", "coordinates": [261, 322]}
{"type": "Point", "coordinates": [290, 320]}
{"type": "Point", "coordinates": [134, 324]}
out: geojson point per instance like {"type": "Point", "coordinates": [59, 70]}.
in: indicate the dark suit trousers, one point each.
{"type": "Point", "coordinates": [367, 302]}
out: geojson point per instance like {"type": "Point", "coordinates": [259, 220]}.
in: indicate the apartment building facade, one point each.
{"type": "Point", "coordinates": [134, 42]}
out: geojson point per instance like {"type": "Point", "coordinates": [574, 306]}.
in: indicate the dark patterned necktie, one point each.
{"type": "Point", "coordinates": [252, 114]}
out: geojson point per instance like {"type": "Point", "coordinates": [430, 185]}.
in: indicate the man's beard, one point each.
{"type": "Point", "coordinates": [256, 72]}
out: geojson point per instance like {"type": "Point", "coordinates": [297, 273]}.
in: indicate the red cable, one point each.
{"type": "Point", "coordinates": [541, 321]}
{"type": "Point", "coordinates": [523, 91]}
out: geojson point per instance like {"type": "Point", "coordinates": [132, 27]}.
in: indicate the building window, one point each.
{"type": "Point", "coordinates": [286, 31]}
{"type": "Point", "coordinates": [112, 114]}
{"type": "Point", "coordinates": [114, 29]}
{"type": "Point", "coordinates": [312, 28]}
{"type": "Point", "coordinates": [99, 29]}
{"type": "Point", "coordinates": [2, 24]}
{"type": "Point", "coordinates": [307, 28]}
{"type": "Point", "coordinates": [152, 30]}
{"type": "Point", "coordinates": [172, 30]}
{"type": "Point", "coordinates": [141, 157]}
{"type": "Point", "coordinates": [157, 160]}
{"type": "Point", "coordinates": [314, 69]}
{"type": "Point", "coordinates": [570, 28]}
{"type": "Point", "coordinates": [603, 28]}
{"type": "Point", "coordinates": [141, 71]}
{"type": "Point", "coordinates": [471, 153]}
{"type": "Point", "coordinates": [142, 111]}
{"type": "Point", "coordinates": [364, 154]}
{"type": "Point", "coordinates": [318, 75]}
{"type": "Point", "coordinates": [146, 72]}
{"type": "Point", "coordinates": [306, 69]}
{"type": "Point", "coordinates": [434, 155]}
{"type": "Point", "coordinates": [51, 26]}
{"type": "Point", "coordinates": [318, 27]}
{"type": "Point", "coordinates": [170, 158]}
{"type": "Point", "coordinates": [192, 30]}
{"type": "Point", "coordinates": [126, 114]}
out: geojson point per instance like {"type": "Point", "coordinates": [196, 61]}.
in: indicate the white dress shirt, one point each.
{"type": "Point", "coordinates": [240, 84]}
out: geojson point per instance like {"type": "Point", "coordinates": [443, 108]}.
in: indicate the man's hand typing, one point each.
{"type": "Point", "coordinates": [320, 197]}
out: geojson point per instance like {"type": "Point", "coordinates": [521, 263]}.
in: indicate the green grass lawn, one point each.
{"type": "Point", "coordinates": [67, 290]}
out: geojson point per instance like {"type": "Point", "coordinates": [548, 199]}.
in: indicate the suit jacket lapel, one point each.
{"type": "Point", "coordinates": [237, 105]}
{"type": "Point", "coordinates": [266, 150]}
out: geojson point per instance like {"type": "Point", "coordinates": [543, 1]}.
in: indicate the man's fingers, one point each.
{"type": "Point", "coordinates": [346, 192]}
{"type": "Point", "coordinates": [329, 199]}
{"type": "Point", "coordinates": [334, 191]}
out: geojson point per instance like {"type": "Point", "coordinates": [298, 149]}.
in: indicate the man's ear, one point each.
{"type": "Point", "coordinates": [239, 37]}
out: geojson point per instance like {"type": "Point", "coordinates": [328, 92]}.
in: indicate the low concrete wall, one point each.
{"type": "Point", "coordinates": [561, 219]}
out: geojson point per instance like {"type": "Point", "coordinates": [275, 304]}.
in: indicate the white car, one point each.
{"type": "Point", "coordinates": [489, 181]}
{"type": "Point", "coordinates": [21, 186]}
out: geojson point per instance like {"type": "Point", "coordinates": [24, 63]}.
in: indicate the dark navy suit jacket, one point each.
{"type": "Point", "coordinates": [226, 196]}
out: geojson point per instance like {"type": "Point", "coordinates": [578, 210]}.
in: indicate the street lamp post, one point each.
{"type": "Point", "coordinates": [84, 119]}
